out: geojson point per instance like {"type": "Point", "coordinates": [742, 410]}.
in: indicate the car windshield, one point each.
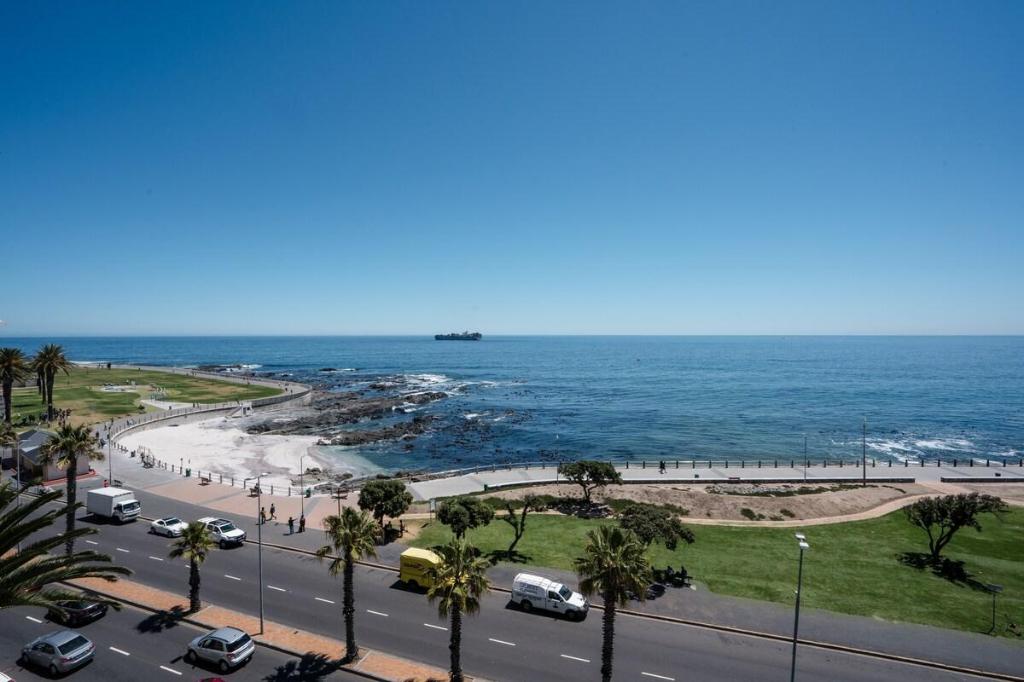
{"type": "Point", "coordinates": [226, 527]}
{"type": "Point", "coordinates": [239, 643]}
{"type": "Point", "coordinates": [565, 592]}
{"type": "Point", "coordinates": [72, 644]}
{"type": "Point", "coordinates": [72, 604]}
{"type": "Point", "coordinates": [171, 521]}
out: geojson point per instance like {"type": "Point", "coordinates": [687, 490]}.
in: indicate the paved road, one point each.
{"type": "Point", "coordinates": [133, 645]}
{"type": "Point", "coordinates": [500, 643]}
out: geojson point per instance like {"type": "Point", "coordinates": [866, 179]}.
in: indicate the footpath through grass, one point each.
{"type": "Point", "coordinates": [851, 568]}
{"type": "Point", "coordinates": [81, 391]}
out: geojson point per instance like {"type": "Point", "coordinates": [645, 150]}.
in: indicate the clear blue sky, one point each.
{"type": "Point", "coordinates": [538, 167]}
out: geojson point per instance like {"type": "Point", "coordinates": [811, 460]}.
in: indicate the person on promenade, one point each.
{"type": "Point", "coordinates": [263, 515]}
{"type": "Point", "coordinates": [273, 512]}
{"type": "Point", "coordinates": [291, 525]}
{"type": "Point", "coordinates": [302, 523]}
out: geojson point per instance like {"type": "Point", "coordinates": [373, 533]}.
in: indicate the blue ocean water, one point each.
{"type": "Point", "coordinates": [549, 398]}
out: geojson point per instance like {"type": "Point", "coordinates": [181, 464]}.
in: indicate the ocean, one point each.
{"type": "Point", "coordinates": [518, 398]}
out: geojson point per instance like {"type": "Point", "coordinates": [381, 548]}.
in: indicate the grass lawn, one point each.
{"type": "Point", "coordinates": [80, 391]}
{"type": "Point", "coordinates": [851, 567]}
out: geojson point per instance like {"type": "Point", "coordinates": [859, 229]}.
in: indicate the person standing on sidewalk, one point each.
{"type": "Point", "coordinates": [273, 512]}
{"type": "Point", "coordinates": [302, 523]}
{"type": "Point", "coordinates": [263, 515]}
{"type": "Point", "coordinates": [291, 525]}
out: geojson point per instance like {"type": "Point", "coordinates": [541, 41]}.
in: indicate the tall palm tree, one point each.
{"type": "Point", "coordinates": [456, 585]}
{"type": "Point", "coordinates": [194, 544]}
{"type": "Point", "coordinates": [351, 536]}
{"type": "Point", "coordinates": [615, 567]}
{"type": "Point", "coordinates": [64, 449]}
{"type": "Point", "coordinates": [48, 361]}
{"type": "Point", "coordinates": [24, 574]}
{"type": "Point", "coordinates": [13, 369]}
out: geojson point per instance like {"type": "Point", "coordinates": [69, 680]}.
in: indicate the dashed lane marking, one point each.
{"type": "Point", "coordinates": [501, 641]}
{"type": "Point", "coordinates": [376, 613]}
{"type": "Point", "coordinates": [92, 542]}
{"type": "Point", "coordinates": [122, 550]}
{"type": "Point", "coordinates": [279, 589]}
{"type": "Point", "coordinates": [660, 677]}
{"type": "Point", "coordinates": [170, 670]}
{"type": "Point", "coordinates": [34, 620]}
{"type": "Point", "coordinates": [231, 577]}
{"type": "Point", "coordinates": [436, 627]}
{"type": "Point", "coordinates": [326, 601]}
{"type": "Point", "coordinates": [155, 558]}
{"type": "Point", "coordinates": [575, 658]}
{"type": "Point", "coordinates": [119, 651]}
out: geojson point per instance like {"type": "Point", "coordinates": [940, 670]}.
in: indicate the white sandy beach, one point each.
{"type": "Point", "coordinates": [220, 446]}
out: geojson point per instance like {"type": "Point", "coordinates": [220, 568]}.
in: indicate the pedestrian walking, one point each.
{"type": "Point", "coordinates": [291, 525]}
{"type": "Point", "coordinates": [263, 515]}
{"type": "Point", "coordinates": [273, 512]}
{"type": "Point", "coordinates": [661, 466]}
{"type": "Point", "coordinates": [302, 523]}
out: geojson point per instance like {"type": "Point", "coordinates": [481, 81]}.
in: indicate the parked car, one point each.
{"type": "Point", "coordinates": [223, 531]}
{"type": "Point", "coordinates": [226, 648]}
{"type": "Point", "coordinates": [414, 567]}
{"type": "Point", "coordinates": [534, 591]}
{"type": "Point", "coordinates": [59, 652]}
{"type": "Point", "coordinates": [4, 677]}
{"type": "Point", "coordinates": [171, 526]}
{"type": "Point", "coordinates": [77, 611]}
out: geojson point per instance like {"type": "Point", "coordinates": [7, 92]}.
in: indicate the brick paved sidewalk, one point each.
{"type": "Point", "coordinates": [371, 663]}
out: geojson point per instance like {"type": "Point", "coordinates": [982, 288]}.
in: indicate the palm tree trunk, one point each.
{"type": "Point", "coordinates": [193, 586]}
{"type": "Point", "coordinates": [8, 387]}
{"type": "Point", "coordinates": [71, 495]}
{"type": "Point", "coordinates": [607, 636]}
{"type": "Point", "coordinates": [455, 645]}
{"type": "Point", "coordinates": [50, 376]}
{"type": "Point", "coordinates": [349, 608]}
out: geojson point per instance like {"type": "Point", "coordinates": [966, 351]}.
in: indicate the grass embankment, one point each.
{"type": "Point", "coordinates": [81, 391]}
{"type": "Point", "coordinates": [851, 568]}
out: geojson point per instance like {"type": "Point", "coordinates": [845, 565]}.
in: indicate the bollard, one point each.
{"type": "Point", "coordinates": [986, 461]}
{"type": "Point", "coordinates": [677, 463]}
{"type": "Point", "coordinates": [872, 462]}
{"type": "Point", "coordinates": [221, 480]}
{"type": "Point", "coordinates": [938, 462]}
{"type": "Point", "coordinates": [890, 464]}
{"type": "Point", "coordinates": [627, 463]}
{"type": "Point", "coordinates": [709, 464]}
{"type": "Point", "coordinates": [905, 464]}
{"type": "Point", "coordinates": [271, 490]}
{"type": "Point", "coordinates": [824, 464]}
{"type": "Point", "coordinates": [726, 464]}
{"type": "Point", "coordinates": [232, 481]}
{"type": "Point", "coordinates": [922, 462]}
{"type": "Point", "coordinates": [1004, 463]}
{"type": "Point", "coordinates": [840, 464]}
{"type": "Point", "coordinates": [643, 464]}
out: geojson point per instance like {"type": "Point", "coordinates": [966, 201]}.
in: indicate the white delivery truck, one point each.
{"type": "Point", "coordinates": [116, 504]}
{"type": "Point", "coordinates": [536, 592]}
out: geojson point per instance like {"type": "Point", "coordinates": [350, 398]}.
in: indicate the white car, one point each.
{"type": "Point", "coordinates": [171, 526]}
{"type": "Point", "coordinates": [223, 531]}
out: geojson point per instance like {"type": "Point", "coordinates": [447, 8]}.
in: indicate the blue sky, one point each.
{"type": "Point", "coordinates": [535, 167]}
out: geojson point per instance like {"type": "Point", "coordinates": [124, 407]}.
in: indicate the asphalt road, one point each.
{"type": "Point", "coordinates": [133, 644]}
{"type": "Point", "coordinates": [500, 643]}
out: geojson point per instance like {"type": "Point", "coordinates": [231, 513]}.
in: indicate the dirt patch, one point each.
{"type": "Point", "coordinates": [730, 501]}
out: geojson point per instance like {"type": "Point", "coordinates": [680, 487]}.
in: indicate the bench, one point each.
{"type": "Point", "coordinates": [205, 480]}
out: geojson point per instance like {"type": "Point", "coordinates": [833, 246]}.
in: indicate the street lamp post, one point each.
{"type": "Point", "coordinates": [994, 589]}
{"type": "Point", "coordinates": [302, 488]}
{"type": "Point", "coordinates": [864, 455]}
{"type": "Point", "coordinates": [802, 542]}
{"type": "Point", "coordinates": [805, 458]}
{"type": "Point", "coordinates": [259, 539]}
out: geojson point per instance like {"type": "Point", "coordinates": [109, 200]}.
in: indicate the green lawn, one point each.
{"type": "Point", "coordinates": [851, 567]}
{"type": "Point", "coordinates": [80, 391]}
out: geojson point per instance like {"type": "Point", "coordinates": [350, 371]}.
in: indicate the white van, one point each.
{"type": "Point", "coordinates": [534, 592]}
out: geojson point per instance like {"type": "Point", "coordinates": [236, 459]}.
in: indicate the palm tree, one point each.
{"type": "Point", "coordinates": [352, 536]}
{"type": "Point", "coordinates": [614, 566]}
{"type": "Point", "coordinates": [50, 360]}
{"type": "Point", "coordinates": [24, 574]}
{"type": "Point", "coordinates": [194, 544]}
{"type": "Point", "coordinates": [13, 369]}
{"type": "Point", "coordinates": [64, 449]}
{"type": "Point", "coordinates": [456, 584]}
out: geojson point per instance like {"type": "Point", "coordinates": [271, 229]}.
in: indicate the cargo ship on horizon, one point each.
{"type": "Point", "coordinates": [464, 336]}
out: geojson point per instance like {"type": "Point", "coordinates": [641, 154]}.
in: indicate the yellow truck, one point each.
{"type": "Point", "coordinates": [413, 567]}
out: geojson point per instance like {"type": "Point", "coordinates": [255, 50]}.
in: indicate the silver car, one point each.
{"type": "Point", "coordinates": [59, 652]}
{"type": "Point", "coordinates": [226, 648]}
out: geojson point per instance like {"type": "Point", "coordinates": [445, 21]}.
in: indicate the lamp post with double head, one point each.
{"type": "Point", "coordinates": [802, 542]}
{"type": "Point", "coordinates": [302, 487]}
{"type": "Point", "coordinates": [259, 538]}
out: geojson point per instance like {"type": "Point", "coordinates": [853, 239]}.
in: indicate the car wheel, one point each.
{"type": "Point", "coordinates": [224, 667]}
{"type": "Point", "coordinates": [53, 670]}
{"type": "Point", "coordinates": [190, 657]}
{"type": "Point", "coordinates": [223, 544]}
{"type": "Point", "coordinates": [526, 605]}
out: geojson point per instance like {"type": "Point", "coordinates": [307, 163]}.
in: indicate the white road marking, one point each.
{"type": "Point", "coordinates": [501, 641]}
{"type": "Point", "coordinates": [170, 670]}
{"type": "Point", "coordinates": [156, 558]}
{"type": "Point", "coordinates": [92, 542]}
{"type": "Point", "coordinates": [279, 589]}
{"type": "Point", "coordinates": [231, 577]}
{"type": "Point", "coordinates": [575, 658]}
{"type": "Point", "coordinates": [376, 613]}
{"type": "Point", "coordinates": [119, 651]}
{"type": "Point", "coordinates": [660, 677]}
{"type": "Point", "coordinates": [436, 627]}
{"type": "Point", "coordinates": [34, 620]}
{"type": "Point", "coordinates": [326, 601]}
{"type": "Point", "coordinates": [122, 550]}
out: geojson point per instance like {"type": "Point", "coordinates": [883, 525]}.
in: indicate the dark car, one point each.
{"type": "Point", "coordinates": [77, 612]}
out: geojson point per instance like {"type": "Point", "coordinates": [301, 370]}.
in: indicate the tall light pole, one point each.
{"type": "Point", "coordinates": [302, 488]}
{"type": "Point", "coordinates": [805, 458]}
{"type": "Point", "coordinates": [994, 589]}
{"type": "Point", "coordinates": [802, 542]}
{"type": "Point", "coordinates": [864, 455]}
{"type": "Point", "coordinates": [259, 538]}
